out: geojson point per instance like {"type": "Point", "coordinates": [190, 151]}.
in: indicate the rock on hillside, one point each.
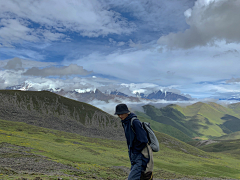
{"type": "Point", "coordinates": [49, 110]}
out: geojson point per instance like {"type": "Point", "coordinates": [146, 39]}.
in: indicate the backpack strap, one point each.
{"type": "Point", "coordinates": [132, 124]}
{"type": "Point", "coordinates": [135, 133]}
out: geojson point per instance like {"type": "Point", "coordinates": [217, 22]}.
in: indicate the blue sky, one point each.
{"type": "Point", "coordinates": [186, 46]}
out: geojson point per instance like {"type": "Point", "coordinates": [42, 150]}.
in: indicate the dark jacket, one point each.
{"type": "Point", "coordinates": [135, 141]}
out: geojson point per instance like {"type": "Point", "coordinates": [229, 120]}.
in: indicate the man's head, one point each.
{"type": "Point", "coordinates": [122, 111]}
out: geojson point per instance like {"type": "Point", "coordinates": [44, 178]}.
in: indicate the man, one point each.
{"type": "Point", "coordinates": [140, 153]}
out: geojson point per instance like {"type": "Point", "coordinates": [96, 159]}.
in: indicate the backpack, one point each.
{"type": "Point", "coordinates": [152, 139]}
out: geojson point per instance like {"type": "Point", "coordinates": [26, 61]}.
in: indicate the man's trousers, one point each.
{"type": "Point", "coordinates": [141, 164]}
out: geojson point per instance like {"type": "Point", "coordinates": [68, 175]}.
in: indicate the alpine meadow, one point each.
{"type": "Point", "coordinates": [40, 147]}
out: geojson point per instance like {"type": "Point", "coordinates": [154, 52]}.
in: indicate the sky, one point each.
{"type": "Point", "coordinates": [185, 46]}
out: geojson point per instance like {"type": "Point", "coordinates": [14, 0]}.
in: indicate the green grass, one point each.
{"type": "Point", "coordinates": [169, 116]}
{"type": "Point", "coordinates": [100, 156]}
{"type": "Point", "coordinates": [232, 136]}
{"type": "Point", "coordinates": [199, 120]}
{"type": "Point", "coordinates": [227, 146]}
{"type": "Point", "coordinates": [163, 128]}
{"type": "Point", "coordinates": [235, 107]}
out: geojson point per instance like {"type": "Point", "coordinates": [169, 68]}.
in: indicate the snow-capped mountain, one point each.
{"type": "Point", "coordinates": [169, 96]}
{"type": "Point", "coordinates": [23, 87]}
{"type": "Point", "coordinates": [123, 94]}
{"type": "Point", "coordinates": [118, 93]}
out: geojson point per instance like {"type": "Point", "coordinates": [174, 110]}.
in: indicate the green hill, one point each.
{"type": "Point", "coordinates": [163, 128]}
{"type": "Point", "coordinates": [29, 151]}
{"type": "Point", "coordinates": [199, 120]}
{"type": "Point", "coordinates": [169, 116]}
{"type": "Point", "coordinates": [232, 136]}
{"type": "Point", "coordinates": [49, 110]}
{"type": "Point", "coordinates": [235, 107]}
{"type": "Point", "coordinates": [226, 146]}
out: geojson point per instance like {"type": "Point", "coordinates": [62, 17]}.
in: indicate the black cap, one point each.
{"type": "Point", "coordinates": [121, 109]}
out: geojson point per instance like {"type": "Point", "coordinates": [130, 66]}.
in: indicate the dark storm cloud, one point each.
{"type": "Point", "coordinates": [210, 21]}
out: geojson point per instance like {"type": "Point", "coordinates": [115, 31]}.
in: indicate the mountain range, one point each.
{"type": "Point", "coordinates": [88, 95]}
{"type": "Point", "coordinates": [46, 109]}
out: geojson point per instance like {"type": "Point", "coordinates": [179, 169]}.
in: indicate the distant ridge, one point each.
{"type": "Point", "coordinates": [49, 110]}
{"type": "Point", "coordinates": [169, 96]}
{"type": "Point", "coordinates": [199, 120]}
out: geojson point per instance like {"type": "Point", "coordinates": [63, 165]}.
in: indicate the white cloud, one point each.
{"type": "Point", "coordinates": [179, 67]}
{"type": "Point", "coordinates": [89, 18]}
{"type": "Point", "coordinates": [109, 107]}
{"type": "Point", "coordinates": [10, 78]}
{"type": "Point", "coordinates": [210, 21]}
{"type": "Point", "coordinates": [152, 15]}
{"type": "Point", "coordinates": [13, 30]}
{"type": "Point", "coordinates": [22, 53]}
{"type": "Point", "coordinates": [135, 45]}
{"type": "Point", "coordinates": [49, 36]}
{"type": "Point", "coordinates": [121, 43]}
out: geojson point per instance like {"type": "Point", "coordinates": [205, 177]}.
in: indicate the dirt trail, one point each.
{"type": "Point", "coordinates": [19, 160]}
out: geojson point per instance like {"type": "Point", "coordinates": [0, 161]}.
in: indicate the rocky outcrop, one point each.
{"type": "Point", "coordinates": [205, 142]}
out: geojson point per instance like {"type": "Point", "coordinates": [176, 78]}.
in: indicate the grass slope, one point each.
{"type": "Point", "coordinates": [202, 120]}
{"type": "Point", "coordinates": [169, 116]}
{"type": "Point", "coordinates": [163, 128]}
{"type": "Point", "coordinates": [101, 158]}
{"type": "Point", "coordinates": [232, 136]}
{"type": "Point", "coordinates": [235, 107]}
{"type": "Point", "coordinates": [226, 146]}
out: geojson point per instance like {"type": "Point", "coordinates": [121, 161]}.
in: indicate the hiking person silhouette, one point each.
{"type": "Point", "coordinates": [140, 153]}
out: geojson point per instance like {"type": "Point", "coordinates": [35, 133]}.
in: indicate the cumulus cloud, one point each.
{"type": "Point", "coordinates": [20, 21]}
{"type": "Point", "coordinates": [179, 67]}
{"type": "Point", "coordinates": [72, 69]}
{"type": "Point", "coordinates": [9, 78]}
{"type": "Point", "coordinates": [210, 21]}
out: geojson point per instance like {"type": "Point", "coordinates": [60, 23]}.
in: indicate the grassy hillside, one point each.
{"type": "Point", "coordinates": [232, 136]}
{"type": "Point", "coordinates": [205, 118]}
{"type": "Point", "coordinates": [48, 103]}
{"type": "Point", "coordinates": [93, 158]}
{"type": "Point", "coordinates": [226, 146]}
{"type": "Point", "coordinates": [169, 116]}
{"type": "Point", "coordinates": [163, 128]}
{"type": "Point", "coordinates": [49, 110]}
{"type": "Point", "coordinates": [199, 120]}
{"type": "Point", "coordinates": [235, 107]}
